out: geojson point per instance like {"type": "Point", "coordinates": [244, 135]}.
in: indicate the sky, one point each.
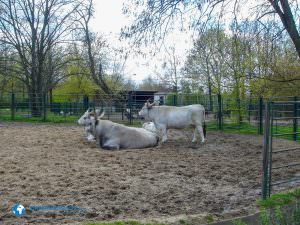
{"type": "Point", "coordinates": [108, 19]}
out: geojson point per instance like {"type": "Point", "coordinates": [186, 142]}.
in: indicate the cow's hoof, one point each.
{"type": "Point", "coordinates": [164, 140]}
{"type": "Point", "coordinates": [203, 141]}
{"type": "Point", "coordinates": [194, 140]}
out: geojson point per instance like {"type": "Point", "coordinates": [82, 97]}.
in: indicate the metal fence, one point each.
{"type": "Point", "coordinates": [239, 115]}
{"type": "Point", "coordinates": [222, 113]}
{"type": "Point", "coordinates": [281, 164]}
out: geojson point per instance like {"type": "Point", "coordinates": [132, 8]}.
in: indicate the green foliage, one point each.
{"type": "Point", "coordinates": [183, 222]}
{"type": "Point", "coordinates": [209, 218]}
{"type": "Point", "coordinates": [264, 217]}
{"type": "Point", "coordinates": [281, 209]}
{"type": "Point", "coordinates": [171, 99]}
{"type": "Point", "coordinates": [186, 99]}
{"type": "Point", "coordinates": [238, 222]}
{"type": "Point", "coordinates": [296, 193]}
{"type": "Point", "coordinates": [51, 118]}
{"type": "Point", "coordinates": [280, 215]}
{"type": "Point", "coordinates": [279, 199]}
{"type": "Point", "coordinates": [73, 88]}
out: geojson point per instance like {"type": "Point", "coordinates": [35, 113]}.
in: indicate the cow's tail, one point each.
{"type": "Point", "coordinates": [204, 124]}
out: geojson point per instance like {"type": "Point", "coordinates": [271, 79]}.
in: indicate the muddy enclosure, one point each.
{"type": "Point", "coordinates": [54, 165]}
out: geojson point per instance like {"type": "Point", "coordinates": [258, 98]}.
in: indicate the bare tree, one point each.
{"type": "Point", "coordinates": [171, 69]}
{"type": "Point", "coordinates": [99, 56]}
{"type": "Point", "coordinates": [33, 29]}
{"type": "Point", "coordinates": [155, 18]}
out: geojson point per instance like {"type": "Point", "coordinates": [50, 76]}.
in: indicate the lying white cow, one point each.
{"type": "Point", "coordinates": [112, 135]}
{"type": "Point", "coordinates": [165, 117]}
{"type": "Point", "coordinates": [116, 136]}
{"type": "Point", "coordinates": [88, 121]}
{"type": "Point", "coordinates": [150, 126]}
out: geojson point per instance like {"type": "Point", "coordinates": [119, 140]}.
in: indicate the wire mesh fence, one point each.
{"type": "Point", "coordinates": [239, 115]}
{"type": "Point", "coordinates": [281, 163]}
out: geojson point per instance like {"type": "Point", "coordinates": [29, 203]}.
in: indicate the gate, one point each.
{"type": "Point", "coordinates": [281, 121]}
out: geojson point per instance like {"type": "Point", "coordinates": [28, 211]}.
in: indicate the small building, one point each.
{"type": "Point", "coordinates": [160, 97]}
{"type": "Point", "coordinates": [138, 98]}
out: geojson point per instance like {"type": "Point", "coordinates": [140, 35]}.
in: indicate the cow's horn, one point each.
{"type": "Point", "coordinates": [102, 114]}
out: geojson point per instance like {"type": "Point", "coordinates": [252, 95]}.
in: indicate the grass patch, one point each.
{"type": "Point", "coordinates": [280, 199]}
{"type": "Point", "coordinates": [281, 208]}
{"type": "Point", "coordinates": [238, 222]}
{"type": "Point", "coordinates": [242, 128]}
{"type": "Point", "coordinates": [52, 118]}
{"type": "Point", "coordinates": [209, 219]}
{"type": "Point", "coordinates": [246, 128]}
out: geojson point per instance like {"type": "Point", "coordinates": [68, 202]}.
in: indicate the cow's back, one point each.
{"type": "Point", "coordinates": [178, 117]}
{"type": "Point", "coordinates": [128, 137]}
{"type": "Point", "coordinates": [138, 138]}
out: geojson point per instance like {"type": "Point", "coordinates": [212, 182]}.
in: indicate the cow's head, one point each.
{"type": "Point", "coordinates": [144, 112]}
{"type": "Point", "coordinates": [89, 117]}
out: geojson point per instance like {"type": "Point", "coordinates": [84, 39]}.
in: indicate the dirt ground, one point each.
{"type": "Point", "coordinates": [42, 165]}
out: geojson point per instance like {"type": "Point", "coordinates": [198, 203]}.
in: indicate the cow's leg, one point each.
{"type": "Point", "coordinates": [111, 145]}
{"type": "Point", "coordinates": [195, 135]}
{"type": "Point", "coordinates": [163, 132]}
{"type": "Point", "coordinates": [200, 129]}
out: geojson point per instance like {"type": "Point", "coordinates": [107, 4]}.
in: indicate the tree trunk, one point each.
{"type": "Point", "coordinates": [209, 86]}
{"type": "Point", "coordinates": [35, 100]}
{"type": "Point", "coordinates": [287, 18]}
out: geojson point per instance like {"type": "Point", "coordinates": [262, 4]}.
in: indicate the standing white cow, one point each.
{"type": "Point", "coordinates": [165, 117]}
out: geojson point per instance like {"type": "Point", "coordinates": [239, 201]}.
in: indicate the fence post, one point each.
{"type": "Point", "coordinates": [44, 107]}
{"type": "Point", "coordinates": [266, 176]}
{"type": "Point", "coordinates": [239, 112]}
{"type": "Point", "coordinates": [86, 102]}
{"type": "Point", "coordinates": [220, 120]}
{"type": "Point", "coordinates": [175, 99]}
{"type": "Point", "coordinates": [260, 115]}
{"type": "Point", "coordinates": [295, 121]}
{"type": "Point", "coordinates": [249, 110]}
{"type": "Point", "coordinates": [13, 106]}
{"type": "Point", "coordinates": [130, 108]}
